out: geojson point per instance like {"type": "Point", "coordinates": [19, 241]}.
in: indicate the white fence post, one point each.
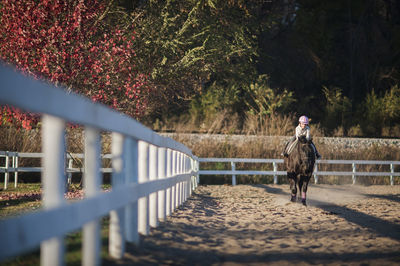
{"type": "Point", "coordinates": [70, 165]}
{"type": "Point", "coordinates": [198, 172]}
{"type": "Point", "coordinates": [143, 203]}
{"type": "Point", "coordinates": [53, 180]}
{"type": "Point", "coordinates": [177, 186]}
{"type": "Point", "coordinates": [15, 162]}
{"type": "Point", "coordinates": [275, 169]}
{"type": "Point", "coordinates": [315, 174]}
{"type": "Point", "coordinates": [188, 183]}
{"type": "Point", "coordinates": [173, 187]}
{"type": "Point", "coordinates": [391, 177]}
{"type": "Point", "coordinates": [233, 166]}
{"type": "Point", "coordinates": [162, 173]}
{"type": "Point", "coordinates": [184, 183]}
{"type": "Point", "coordinates": [193, 179]}
{"type": "Point", "coordinates": [153, 199]}
{"type": "Point", "coordinates": [6, 174]}
{"type": "Point", "coordinates": [116, 245]}
{"type": "Point", "coordinates": [131, 171]}
{"type": "Point", "coordinates": [354, 170]}
{"type": "Point", "coordinates": [168, 198]}
{"type": "Point", "coordinates": [92, 184]}
{"type": "Point", "coordinates": [181, 171]}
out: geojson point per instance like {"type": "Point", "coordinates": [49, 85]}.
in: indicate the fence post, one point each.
{"type": "Point", "coordinates": [233, 166]}
{"type": "Point", "coordinates": [194, 177]}
{"type": "Point", "coordinates": [53, 180]}
{"type": "Point", "coordinates": [131, 171]}
{"type": "Point", "coordinates": [354, 171]}
{"type": "Point", "coordinates": [16, 170]}
{"type": "Point", "coordinates": [153, 199]}
{"type": "Point", "coordinates": [275, 169]}
{"type": "Point", "coordinates": [391, 177]}
{"type": "Point", "coordinates": [315, 173]}
{"type": "Point", "coordinates": [143, 203]}
{"type": "Point", "coordinates": [193, 180]}
{"type": "Point", "coordinates": [6, 174]}
{"type": "Point", "coordinates": [92, 184]}
{"type": "Point", "coordinates": [169, 189]}
{"type": "Point", "coordinates": [181, 184]}
{"type": "Point", "coordinates": [198, 174]}
{"type": "Point", "coordinates": [70, 164]}
{"type": "Point", "coordinates": [116, 245]}
{"type": "Point", "coordinates": [173, 187]}
{"type": "Point", "coordinates": [189, 182]}
{"type": "Point", "coordinates": [177, 186]}
{"type": "Point", "coordinates": [162, 173]}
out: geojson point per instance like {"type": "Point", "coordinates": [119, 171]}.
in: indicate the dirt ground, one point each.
{"type": "Point", "coordinates": [257, 225]}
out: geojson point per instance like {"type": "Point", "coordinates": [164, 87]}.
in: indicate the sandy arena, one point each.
{"type": "Point", "coordinates": [257, 225]}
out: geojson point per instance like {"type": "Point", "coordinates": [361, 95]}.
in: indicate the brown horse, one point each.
{"type": "Point", "coordinates": [299, 166]}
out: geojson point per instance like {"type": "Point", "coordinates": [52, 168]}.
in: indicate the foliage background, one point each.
{"type": "Point", "coordinates": [237, 66]}
{"type": "Point", "coordinates": [246, 67]}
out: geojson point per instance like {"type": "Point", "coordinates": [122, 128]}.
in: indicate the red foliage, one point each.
{"type": "Point", "coordinates": [67, 43]}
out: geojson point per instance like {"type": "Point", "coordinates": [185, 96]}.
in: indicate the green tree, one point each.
{"type": "Point", "coordinates": [188, 45]}
{"type": "Point", "coordinates": [337, 110]}
{"type": "Point", "coordinates": [380, 112]}
{"type": "Point", "coordinates": [263, 101]}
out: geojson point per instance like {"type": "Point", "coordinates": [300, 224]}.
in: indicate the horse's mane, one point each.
{"type": "Point", "coordinates": [301, 160]}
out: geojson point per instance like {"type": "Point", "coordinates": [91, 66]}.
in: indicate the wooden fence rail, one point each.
{"type": "Point", "coordinates": [151, 176]}
{"type": "Point", "coordinates": [275, 173]}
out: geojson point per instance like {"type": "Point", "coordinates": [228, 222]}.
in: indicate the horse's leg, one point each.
{"type": "Point", "coordinates": [301, 181]}
{"type": "Point", "coordinates": [303, 189]}
{"type": "Point", "coordinates": [293, 188]}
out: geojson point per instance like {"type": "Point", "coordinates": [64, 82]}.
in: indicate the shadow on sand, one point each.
{"type": "Point", "coordinates": [183, 243]}
{"type": "Point", "coordinates": [379, 226]}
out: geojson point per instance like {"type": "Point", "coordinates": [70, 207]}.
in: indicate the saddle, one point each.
{"type": "Point", "coordinates": [291, 146]}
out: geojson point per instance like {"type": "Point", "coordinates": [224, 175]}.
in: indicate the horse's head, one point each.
{"type": "Point", "coordinates": [303, 140]}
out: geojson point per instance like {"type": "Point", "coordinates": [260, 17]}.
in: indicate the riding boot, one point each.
{"type": "Point", "coordinates": [317, 155]}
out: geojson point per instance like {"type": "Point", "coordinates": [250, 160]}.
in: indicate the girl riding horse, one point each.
{"type": "Point", "coordinates": [301, 130]}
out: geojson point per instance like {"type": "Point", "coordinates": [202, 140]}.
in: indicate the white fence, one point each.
{"type": "Point", "coordinates": [151, 176]}
{"type": "Point", "coordinates": [275, 173]}
{"type": "Point", "coordinates": [12, 159]}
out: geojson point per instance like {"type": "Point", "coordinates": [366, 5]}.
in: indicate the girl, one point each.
{"type": "Point", "coordinates": [302, 130]}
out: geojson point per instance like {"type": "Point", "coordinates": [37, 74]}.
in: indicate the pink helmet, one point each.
{"type": "Point", "coordinates": [303, 119]}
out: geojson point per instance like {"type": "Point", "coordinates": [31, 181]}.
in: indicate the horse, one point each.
{"type": "Point", "coordinates": [299, 166]}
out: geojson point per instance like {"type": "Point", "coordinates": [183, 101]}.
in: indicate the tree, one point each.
{"type": "Point", "coordinates": [352, 45]}
{"type": "Point", "coordinates": [379, 112]}
{"type": "Point", "coordinates": [337, 110]}
{"type": "Point", "coordinates": [188, 46]}
{"type": "Point", "coordinates": [71, 44]}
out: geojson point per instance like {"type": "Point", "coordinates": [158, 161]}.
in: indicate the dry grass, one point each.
{"type": "Point", "coordinates": [226, 122]}
{"type": "Point", "coordinates": [262, 149]}
{"type": "Point", "coordinates": [275, 125]}
{"type": "Point", "coordinates": [12, 139]}
{"type": "Point", "coordinates": [21, 140]}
